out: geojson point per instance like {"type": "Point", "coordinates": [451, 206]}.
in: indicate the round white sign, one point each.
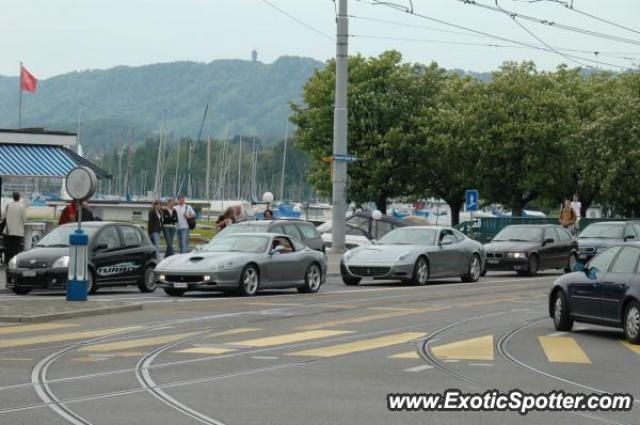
{"type": "Point", "coordinates": [81, 183]}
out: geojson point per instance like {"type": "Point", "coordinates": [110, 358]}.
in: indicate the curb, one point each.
{"type": "Point", "coordinates": [71, 314]}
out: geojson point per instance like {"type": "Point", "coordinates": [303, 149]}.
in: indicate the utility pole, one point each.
{"type": "Point", "coordinates": [284, 160]}
{"type": "Point", "coordinates": [340, 129]}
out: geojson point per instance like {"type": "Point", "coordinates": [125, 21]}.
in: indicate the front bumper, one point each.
{"type": "Point", "coordinates": [378, 271]}
{"type": "Point", "coordinates": [43, 278]}
{"type": "Point", "coordinates": [507, 263]}
{"type": "Point", "coordinates": [196, 281]}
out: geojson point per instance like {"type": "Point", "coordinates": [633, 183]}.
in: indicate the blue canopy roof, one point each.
{"type": "Point", "coordinates": [18, 160]}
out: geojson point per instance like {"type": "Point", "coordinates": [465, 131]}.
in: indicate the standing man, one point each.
{"type": "Point", "coordinates": [568, 217]}
{"type": "Point", "coordinates": [184, 212]}
{"type": "Point", "coordinates": [15, 214]}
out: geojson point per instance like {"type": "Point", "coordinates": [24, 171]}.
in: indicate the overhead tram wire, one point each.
{"type": "Point", "coordinates": [553, 24]}
{"type": "Point", "coordinates": [299, 21]}
{"type": "Point", "coordinates": [597, 53]}
{"type": "Point", "coordinates": [582, 12]}
{"type": "Point", "coordinates": [403, 9]}
{"type": "Point", "coordinates": [532, 34]}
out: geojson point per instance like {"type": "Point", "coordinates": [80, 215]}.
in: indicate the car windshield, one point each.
{"type": "Point", "coordinates": [59, 237]}
{"type": "Point", "coordinates": [519, 234]}
{"type": "Point", "coordinates": [244, 228]}
{"type": "Point", "coordinates": [409, 236]}
{"type": "Point", "coordinates": [238, 243]}
{"type": "Point", "coordinates": [603, 231]}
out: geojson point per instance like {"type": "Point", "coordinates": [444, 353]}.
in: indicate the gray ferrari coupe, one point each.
{"type": "Point", "coordinates": [244, 262]}
{"type": "Point", "coordinates": [415, 254]}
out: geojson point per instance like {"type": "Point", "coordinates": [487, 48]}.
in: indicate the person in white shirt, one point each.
{"type": "Point", "coordinates": [15, 215]}
{"type": "Point", "coordinates": [184, 212]}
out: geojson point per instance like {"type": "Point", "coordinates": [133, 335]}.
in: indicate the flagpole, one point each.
{"type": "Point", "coordinates": [20, 99]}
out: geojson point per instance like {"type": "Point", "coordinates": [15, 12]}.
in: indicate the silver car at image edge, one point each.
{"type": "Point", "coordinates": [246, 263]}
{"type": "Point", "coordinates": [416, 254]}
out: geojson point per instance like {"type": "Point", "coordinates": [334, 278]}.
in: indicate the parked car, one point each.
{"type": "Point", "coordinates": [416, 255]}
{"type": "Point", "coordinates": [529, 248]}
{"type": "Point", "coordinates": [362, 228]}
{"type": "Point", "coordinates": [606, 292]}
{"type": "Point", "coordinates": [244, 262]}
{"type": "Point", "coordinates": [303, 231]}
{"type": "Point", "coordinates": [119, 255]}
{"type": "Point", "coordinates": [599, 236]}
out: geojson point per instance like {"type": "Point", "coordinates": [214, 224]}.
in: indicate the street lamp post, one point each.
{"type": "Point", "coordinates": [340, 129]}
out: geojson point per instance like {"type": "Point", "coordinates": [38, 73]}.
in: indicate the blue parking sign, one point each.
{"type": "Point", "coordinates": [471, 200]}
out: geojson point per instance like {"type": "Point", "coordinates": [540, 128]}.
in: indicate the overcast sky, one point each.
{"type": "Point", "coordinates": [57, 36]}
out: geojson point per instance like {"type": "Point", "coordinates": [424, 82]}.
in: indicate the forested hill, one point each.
{"type": "Point", "coordinates": [244, 97]}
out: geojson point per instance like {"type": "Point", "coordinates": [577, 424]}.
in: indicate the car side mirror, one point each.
{"type": "Point", "coordinates": [277, 250]}
{"type": "Point", "coordinates": [100, 247]}
{"type": "Point", "coordinates": [626, 238]}
{"type": "Point", "coordinates": [590, 272]}
{"type": "Point", "coordinates": [548, 240]}
{"type": "Point", "coordinates": [445, 242]}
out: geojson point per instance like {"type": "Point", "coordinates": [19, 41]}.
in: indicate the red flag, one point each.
{"type": "Point", "coordinates": [27, 81]}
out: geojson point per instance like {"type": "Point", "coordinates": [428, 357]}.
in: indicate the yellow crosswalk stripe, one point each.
{"type": "Point", "coordinates": [480, 348]}
{"type": "Point", "coordinates": [371, 317]}
{"type": "Point", "coordinates": [288, 338]}
{"type": "Point", "coordinates": [562, 349]}
{"type": "Point", "coordinates": [409, 355]}
{"type": "Point", "coordinates": [135, 343]}
{"type": "Point", "coordinates": [358, 346]}
{"type": "Point", "coordinates": [632, 347]}
{"type": "Point", "coordinates": [7, 330]}
{"type": "Point", "coordinates": [71, 336]}
{"type": "Point", "coordinates": [205, 350]}
{"type": "Point", "coordinates": [155, 340]}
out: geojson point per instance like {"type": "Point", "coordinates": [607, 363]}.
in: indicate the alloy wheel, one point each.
{"type": "Point", "coordinates": [633, 322]}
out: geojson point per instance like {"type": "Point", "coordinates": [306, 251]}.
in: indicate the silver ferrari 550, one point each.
{"type": "Point", "coordinates": [244, 262]}
{"type": "Point", "coordinates": [415, 254]}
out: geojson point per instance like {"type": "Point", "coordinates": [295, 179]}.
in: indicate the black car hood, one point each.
{"type": "Point", "coordinates": [41, 256]}
{"type": "Point", "coordinates": [597, 242]}
{"type": "Point", "coordinates": [511, 246]}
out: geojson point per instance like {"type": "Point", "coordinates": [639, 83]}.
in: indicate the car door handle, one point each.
{"type": "Point", "coordinates": [617, 285]}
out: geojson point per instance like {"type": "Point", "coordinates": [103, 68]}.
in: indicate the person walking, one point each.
{"type": "Point", "coordinates": [154, 226]}
{"type": "Point", "coordinates": [184, 213]}
{"type": "Point", "coordinates": [169, 220]}
{"type": "Point", "coordinates": [15, 215]}
{"type": "Point", "coordinates": [568, 217]}
{"type": "Point", "coordinates": [69, 214]}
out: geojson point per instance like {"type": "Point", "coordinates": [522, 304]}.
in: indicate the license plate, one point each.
{"type": "Point", "coordinates": [29, 273]}
{"type": "Point", "coordinates": [492, 261]}
{"type": "Point", "coordinates": [180, 285]}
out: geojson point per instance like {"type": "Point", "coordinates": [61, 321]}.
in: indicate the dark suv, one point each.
{"type": "Point", "coordinates": [304, 231]}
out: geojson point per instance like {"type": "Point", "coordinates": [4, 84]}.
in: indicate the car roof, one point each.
{"type": "Point", "coordinates": [268, 234]}
{"type": "Point", "coordinates": [278, 220]}
{"type": "Point", "coordinates": [618, 223]}
{"type": "Point", "coordinates": [533, 225]}
{"type": "Point", "coordinates": [97, 224]}
{"type": "Point", "coordinates": [428, 226]}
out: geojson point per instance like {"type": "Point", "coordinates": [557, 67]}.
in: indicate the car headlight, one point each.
{"type": "Point", "coordinates": [517, 254]}
{"type": "Point", "coordinates": [62, 262]}
{"type": "Point", "coordinates": [13, 263]}
{"type": "Point", "coordinates": [403, 256]}
{"type": "Point", "coordinates": [223, 266]}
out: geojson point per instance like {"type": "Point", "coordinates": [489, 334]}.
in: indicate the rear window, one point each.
{"type": "Point", "coordinates": [308, 231]}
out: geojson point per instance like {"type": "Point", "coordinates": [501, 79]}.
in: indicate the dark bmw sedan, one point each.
{"type": "Point", "coordinates": [597, 237]}
{"type": "Point", "coordinates": [119, 254]}
{"type": "Point", "coordinates": [606, 292]}
{"type": "Point", "coordinates": [529, 248]}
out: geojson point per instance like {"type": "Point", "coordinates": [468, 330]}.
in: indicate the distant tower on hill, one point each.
{"type": "Point", "coordinates": [254, 55]}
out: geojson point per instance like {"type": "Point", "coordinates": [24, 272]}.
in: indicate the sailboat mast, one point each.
{"type": "Point", "coordinates": [239, 165]}
{"type": "Point", "coordinates": [157, 186]}
{"type": "Point", "coordinates": [175, 181]}
{"type": "Point", "coordinates": [207, 193]}
{"type": "Point", "coordinates": [126, 177]}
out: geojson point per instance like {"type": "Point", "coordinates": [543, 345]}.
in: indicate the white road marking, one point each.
{"type": "Point", "coordinates": [419, 368]}
{"type": "Point", "coordinates": [481, 364]}
{"type": "Point", "coordinates": [557, 334]}
{"type": "Point", "coordinates": [451, 361]}
{"type": "Point", "coordinates": [265, 357]}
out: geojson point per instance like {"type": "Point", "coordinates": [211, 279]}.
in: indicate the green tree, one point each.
{"type": "Point", "coordinates": [385, 98]}
{"type": "Point", "coordinates": [445, 161]}
{"type": "Point", "coordinates": [526, 128]}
